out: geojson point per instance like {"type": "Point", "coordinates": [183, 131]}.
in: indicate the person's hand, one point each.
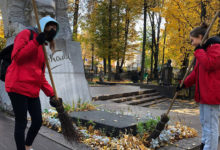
{"type": "Point", "coordinates": [178, 88]}
{"type": "Point", "coordinates": [54, 102]}
{"type": "Point", "coordinates": [41, 38]}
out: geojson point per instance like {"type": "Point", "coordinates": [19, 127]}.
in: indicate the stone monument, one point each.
{"type": "Point", "coordinates": [66, 62]}
{"type": "Point", "coordinates": [167, 73]}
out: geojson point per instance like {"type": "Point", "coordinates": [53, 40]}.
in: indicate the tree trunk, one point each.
{"type": "Point", "coordinates": [157, 49]}
{"type": "Point", "coordinates": [127, 22]}
{"type": "Point", "coordinates": [75, 21]}
{"type": "Point", "coordinates": [109, 68]}
{"type": "Point", "coordinates": [151, 60]}
{"type": "Point", "coordinates": [153, 43]}
{"type": "Point", "coordinates": [118, 39]}
{"type": "Point", "coordinates": [109, 39]}
{"type": "Point", "coordinates": [144, 42]}
{"type": "Point", "coordinates": [92, 56]}
{"type": "Point", "coordinates": [164, 43]}
{"type": "Point", "coordinates": [104, 65]}
{"type": "Point", "coordinates": [203, 11]}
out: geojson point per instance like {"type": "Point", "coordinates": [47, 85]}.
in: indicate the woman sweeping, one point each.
{"type": "Point", "coordinates": [25, 77]}
{"type": "Point", "coordinates": [206, 77]}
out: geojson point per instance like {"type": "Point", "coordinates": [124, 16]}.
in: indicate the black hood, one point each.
{"type": "Point", "coordinates": [212, 40]}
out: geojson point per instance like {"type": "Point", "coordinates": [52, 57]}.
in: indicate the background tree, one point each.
{"type": "Point", "coordinates": [108, 31]}
{"type": "Point", "coordinates": [2, 39]}
{"type": "Point", "coordinates": [75, 21]}
{"type": "Point", "coordinates": [144, 41]}
{"type": "Point", "coordinates": [181, 17]}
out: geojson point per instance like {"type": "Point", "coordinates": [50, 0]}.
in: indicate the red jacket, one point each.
{"type": "Point", "coordinates": [25, 75]}
{"type": "Point", "coordinates": [206, 75]}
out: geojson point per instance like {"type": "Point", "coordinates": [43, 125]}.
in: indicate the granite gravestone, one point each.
{"type": "Point", "coordinates": [66, 62]}
{"type": "Point", "coordinates": [167, 72]}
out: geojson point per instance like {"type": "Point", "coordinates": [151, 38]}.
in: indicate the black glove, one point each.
{"type": "Point", "coordinates": [178, 88]}
{"type": "Point", "coordinates": [41, 38]}
{"type": "Point", "coordinates": [54, 102]}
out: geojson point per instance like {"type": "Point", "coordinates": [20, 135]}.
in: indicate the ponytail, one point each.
{"type": "Point", "coordinates": [201, 30]}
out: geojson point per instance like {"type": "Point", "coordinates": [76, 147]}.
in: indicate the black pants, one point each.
{"type": "Point", "coordinates": [21, 104]}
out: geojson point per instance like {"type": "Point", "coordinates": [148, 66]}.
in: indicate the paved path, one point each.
{"type": "Point", "coordinates": [113, 89]}
{"type": "Point", "coordinates": [7, 137]}
{"type": "Point", "coordinates": [183, 110]}
{"type": "Point", "coordinates": [47, 139]}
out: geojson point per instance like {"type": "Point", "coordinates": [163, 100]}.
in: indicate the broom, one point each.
{"type": "Point", "coordinates": [164, 117]}
{"type": "Point", "coordinates": [68, 130]}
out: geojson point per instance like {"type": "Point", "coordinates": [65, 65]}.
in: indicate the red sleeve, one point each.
{"type": "Point", "coordinates": [24, 47]}
{"type": "Point", "coordinates": [190, 79]}
{"type": "Point", "coordinates": [45, 86]}
{"type": "Point", "coordinates": [209, 60]}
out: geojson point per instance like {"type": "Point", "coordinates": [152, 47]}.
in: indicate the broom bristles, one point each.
{"type": "Point", "coordinates": [164, 118]}
{"type": "Point", "coordinates": [159, 128]}
{"type": "Point", "coordinates": [70, 133]}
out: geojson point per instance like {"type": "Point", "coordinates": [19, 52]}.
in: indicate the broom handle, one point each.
{"type": "Point", "coordinates": [44, 49]}
{"type": "Point", "coordinates": [192, 62]}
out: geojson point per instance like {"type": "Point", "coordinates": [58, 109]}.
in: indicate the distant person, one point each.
{"type": "Point", "coordinates": [206, 77]}
{"type": "Point", "coordinates": [145, 76]}
{"type": "Point", "coordinates": [101, 76]}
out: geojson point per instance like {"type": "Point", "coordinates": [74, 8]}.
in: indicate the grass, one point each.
{"type": "Point", "coordinates": [147, 126]}
{"type": "Point", "coordinates": [79, 106]}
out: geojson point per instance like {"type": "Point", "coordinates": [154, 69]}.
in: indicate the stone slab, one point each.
{"type": "Point", "coordinates": [112, 123]}
{"type": "Point", "coordinates": [190, 120]}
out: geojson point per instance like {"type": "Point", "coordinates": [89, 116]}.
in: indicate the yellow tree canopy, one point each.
{"type": "Point", "coordinates": [1, 27]}
{"type": "Point", "coordinates": [181, 17]}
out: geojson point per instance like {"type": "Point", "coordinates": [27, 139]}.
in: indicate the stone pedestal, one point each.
{"type": "Point", "coordinates": [68, 73]}
{"type": "Point", "coordinates": [66, 62]}
{"type": "Point", "coordinates": [167, 73]}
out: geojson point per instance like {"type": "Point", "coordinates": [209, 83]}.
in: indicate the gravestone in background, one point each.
{"type": "Point", "coordinates": [66, 63]}
{"type": "Point", "coordinates": [167, 72]}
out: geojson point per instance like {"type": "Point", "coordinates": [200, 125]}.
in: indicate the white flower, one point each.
{"type": "Point", "coordinates": [105, 140]}
{"type": "Point", "coordinates": [154, 143]}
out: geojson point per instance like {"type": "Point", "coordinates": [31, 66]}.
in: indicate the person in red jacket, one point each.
{"type": "Point", "coordinates": [25, 77]}
{"type": "Point", "coordinates": [206, 77]}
